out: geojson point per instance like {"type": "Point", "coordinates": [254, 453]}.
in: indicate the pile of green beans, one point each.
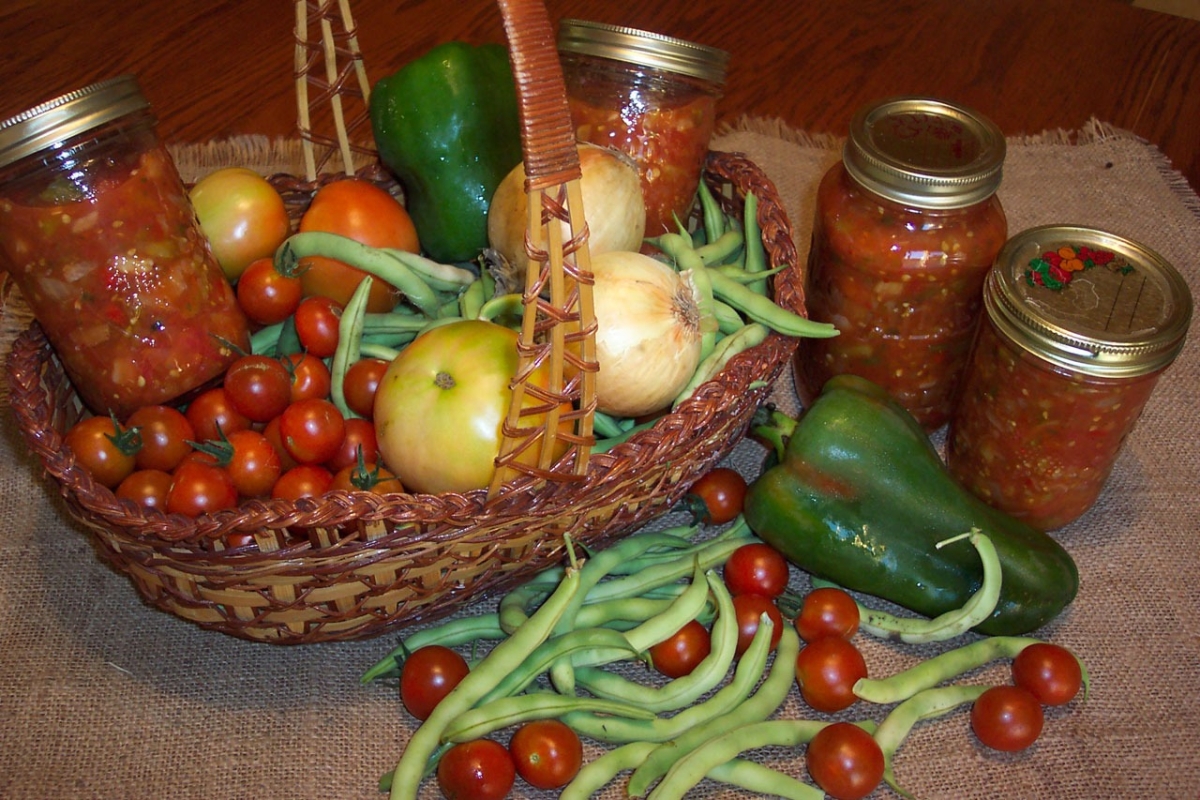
{"type": "Point", "coordinates": [727, 264]}
{"type": "Point", "coordinates": [558, 636]}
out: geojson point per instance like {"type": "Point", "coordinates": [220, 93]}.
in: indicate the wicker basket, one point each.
{"type": "Point", "coordinates": [351, 565]}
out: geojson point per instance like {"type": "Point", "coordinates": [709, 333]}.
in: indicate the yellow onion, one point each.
{"type": "Point", "coordinates": [612, 206]}
{"type": "Point", "coordinates": [648, 336]}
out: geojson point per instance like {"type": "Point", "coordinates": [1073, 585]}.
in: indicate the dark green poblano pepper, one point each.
{"type": "Point", "coordinates": [860, 497]}
{"type": "Point", "coordinates": [446, 125]}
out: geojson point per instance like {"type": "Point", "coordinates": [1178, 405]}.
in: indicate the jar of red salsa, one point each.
{"type": "Point", "coordinates": [1079, 326]}
{"type": "Point", "coordinates": [97, 232]}
{"type": "Point", "coordinates": [649, 96]}
{"type": "Point", "coordinates": [907, 225]}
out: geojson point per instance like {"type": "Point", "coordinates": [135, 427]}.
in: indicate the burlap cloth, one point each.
{"type": "Point", "coordinates": [103, 697]}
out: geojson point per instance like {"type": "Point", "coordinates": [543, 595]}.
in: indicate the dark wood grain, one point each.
{"type": "Point", "coordinates": [216, 68]}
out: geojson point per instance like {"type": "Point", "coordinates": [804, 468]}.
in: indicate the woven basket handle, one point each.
{"type": "Point", "coordinates": [548, 430]}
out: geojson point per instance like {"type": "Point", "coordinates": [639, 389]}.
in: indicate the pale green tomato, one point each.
{"type": "Point", "coordinates": [441, 403]}
{"type": "Point", "coordinates": [242, 215]}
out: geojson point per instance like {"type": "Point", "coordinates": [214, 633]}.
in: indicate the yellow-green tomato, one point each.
{"type": "Point", "coordinates": [441, 403]}
{"type": "Point", "coordinates": [242, 215]}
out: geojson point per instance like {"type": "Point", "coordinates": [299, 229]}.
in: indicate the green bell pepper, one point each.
{"type": "Point", "coordinates": [860, 497]}
{"type": "Point", "coordinates": [446, 125]}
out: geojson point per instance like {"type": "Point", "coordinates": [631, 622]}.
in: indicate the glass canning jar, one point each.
{"type": "Point", "coordinates": [907, 225]}
{"type": "Point", "coordinates": [649, 96]}
{"type": "Point", "coordinates": [1079, 326]}
{"type": "Point", "coordinates": [98, 234]}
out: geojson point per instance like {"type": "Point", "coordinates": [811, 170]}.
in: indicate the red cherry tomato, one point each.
{"type": "Point", "coordinates": [146, 487]}
{"type": "Point", "coordinates": [213, 413]}
{"type": "Point", "coordinates": [756, 568]}
{"type": "Point", "coordinates": [845, 761]}
{"type": "Point", "coordinates": [678, 654]}
{"type": "Point", "coordinates": [317, 320]}
{"type": "Point", "coordinates": [428, 675]}
{"type": "Point", "coordinates": [1051, 673]}
{"type": "Point", "coordinates": [478, 770]}
{"type": "Point", "coordinates": [310, 376]}
{"type": "Point", "coordinates": [254, 465]}
{"type": "Point", "coordinates": [717, 497]}
{"type": "Point", "coordinates": [166, 436]}
{"type": "Point", "coordinates": [198, 487]}
{"type": "Point", "coordinates": [271, 432]}
{"type": "Point", "coordinates": [1007, 718]}
{"type": "Point", "coordinates": [105, 448]}
{"type": "Point", "coordinates": [359, 437]}
{"type": "Point", "coordinates": [312, 430]}
{"type": "Point", "coordinates": [827, 612]}
{"type": "Point", "coordinates": [547, 753]}
{"type": "Point", "coordinates": [826, 671]}
{"type": "Point", "coordinates": [369, 477]}
{"type": "Point", "coordinates": [266, 295]}
{"type": "Point", "coordinates": [749, 609]}
{"type": "Point", "coordinates": [304, 480]}
{"type": "Point", "coordinates": [361, 383]}
{"type": "Point", "coordinates": [259, 387]}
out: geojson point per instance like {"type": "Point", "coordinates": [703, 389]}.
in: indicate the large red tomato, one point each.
{"type": "Point", "coordinates": [242, 215]}
{"type": "Point", "coordinates": [441, 403]}
{"type": "Point", "coordinates": [362, 211]}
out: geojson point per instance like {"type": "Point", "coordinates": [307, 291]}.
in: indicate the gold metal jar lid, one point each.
{"type": "Point", "coordinates": [643, 48]}
{"type": "Point", "coordinates": [925, 152]}
{"type": "Point", "coordinates": [1089, 301]}
{"type": "Point", "coordinates": [54, 121]}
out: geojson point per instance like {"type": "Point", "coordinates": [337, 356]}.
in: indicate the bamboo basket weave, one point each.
{"type": "Point", "coordinates": [352, 565]}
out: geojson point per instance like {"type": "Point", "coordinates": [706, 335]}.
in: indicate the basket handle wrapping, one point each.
{"type": "Point", "coordinates": [558, 325]}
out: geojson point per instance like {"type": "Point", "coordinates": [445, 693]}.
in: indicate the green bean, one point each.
{"type": "Point", "coordinates": [760, 308]}
{"type": "Point", "coordinates": [595, 774]}
{"type": "Point", "coordinates": [714, 218]}
{"type": "Point", "coordinates": [685, 609]}
{"type": "Point", "coordinates": [503, 305]}
{"type": "Point", "coordinates": [763, 780]}
{"type": "Point", "coordinates": [606, 424]}
{"type": "Point", "coordinates": [662, 729]}
{"type": "Point", "coordinates": [765, 702]}
{"type": "Point", "coordinates": [471, 301]}
{"type": "Point", "coordinates": [491, 716]}
{"type": "Point", "coordinates": [756, 257]}
{"type": "Point", "coordinates": [690, 769]}
{"type": "Point", "coordinates": [350, 330]}
{"type": "Point", "coordinates": [728, 319]}
{"type": "Point", "coordinates": [378, 263]}
{"type": "Point", "coordinates": [750, 335]}
{"type": "Point", "coordinates": [266, 339]}
{"type": "Point", "coordinates": [922, 706]}
{"type": "Point", "coordinates": [939, 668]}
{"type": "Point", "coordinates": [608, 443]}
{"type": "Point", "coordinates": [721, 250]}
{"type": "Point", "coordinates": [592, 641]}
{"type": "Point", "coordinates": [742, 275]}
{"type": "Point", "coordinates": [919, 630]}
{"type": "Point", "coordinates": [484, 627]}
{"type": "Point", "coordinates": [684, 690]}
{"type": "Point", "coordinates": [503, 659]}
{"type": "Point", "coordinates": [710, 554]}
{"type": "Point", "coordinates": [441, 277]}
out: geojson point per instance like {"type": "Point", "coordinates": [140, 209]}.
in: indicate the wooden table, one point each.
{"type": "Point", "coordinates": [216, 68]}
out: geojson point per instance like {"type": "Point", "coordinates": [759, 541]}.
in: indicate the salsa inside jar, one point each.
{"type": "Point", "coordinates": [663, 123]}
{"type": "Point", "coordinates": [903, 286]}
{"type": "Point", "coordinates": [107, 255]}
{"type": "Point", "coordinates": [1036, 440]}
